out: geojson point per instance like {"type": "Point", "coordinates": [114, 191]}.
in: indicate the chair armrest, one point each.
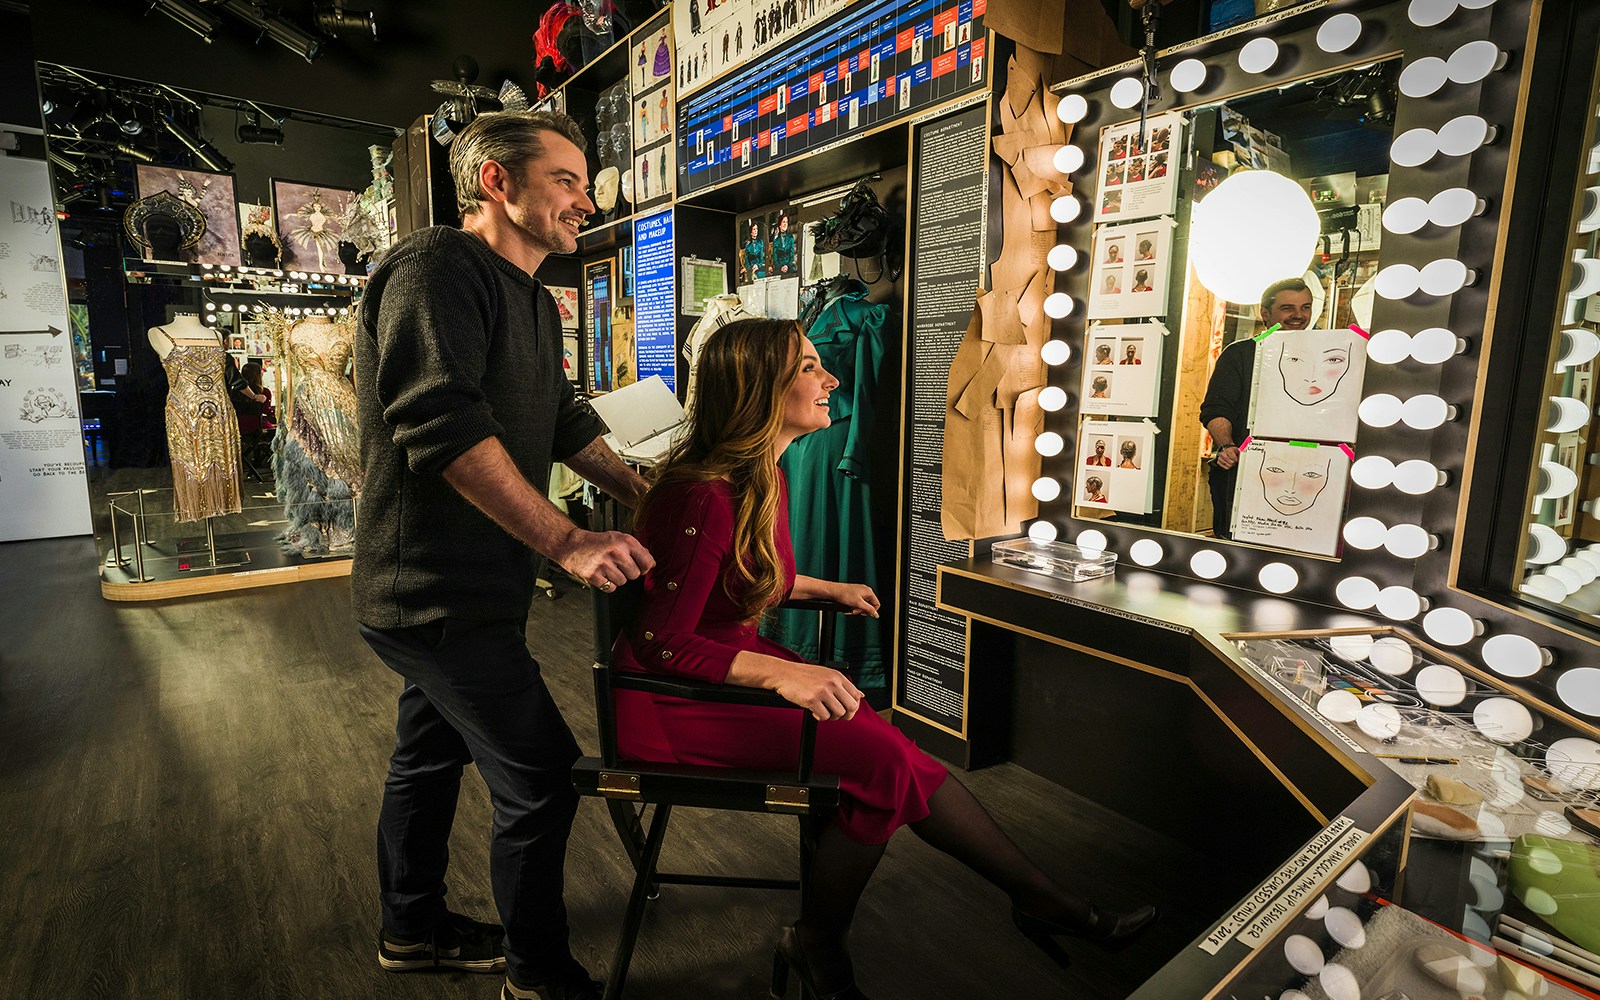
{"type": "Point", "coordinates": [678, 687]}
{"type": "Point", "coordinates": [816, 605]}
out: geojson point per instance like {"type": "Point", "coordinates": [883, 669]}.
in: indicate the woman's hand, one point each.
{"type": "Point", "coordinates": [822, 691]}
{"type": "Point", "coordinates": [858, 597]}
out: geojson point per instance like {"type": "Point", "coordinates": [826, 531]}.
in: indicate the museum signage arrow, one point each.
{"type": "Point", "coordinates": [52, 331]}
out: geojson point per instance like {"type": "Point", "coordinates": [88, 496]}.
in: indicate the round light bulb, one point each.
{"type": "Point", "coordinates": [1555, 481]}
{"type": "Point", "coordinates": [1068, 159]}
{"type": "Point", "coordinates": [1445, 276]}
{"type": "Point", "coordinates": [1409, 541]}
{"type": "Point", "coordinates": [1414, 147]}
{"type": "Point", "coordinates": [1372, 472]}
{"type": "Point", "coordinates": [1435, 346]}
{"type": "Point", "coordinates": [1503, 720]}
{"type": "Point", "coordinates": [1042, 531]}
{"type": "Point", "coordinates": [1052, 398]}
{"type": "Point", "coordinates": [1397, 281]}
{"type": "Point", "coordinates": [1146, 552]}
{"type": "Point", "coordinates": [1578, 346]}
{"type": "Point", "coordinates": [1416, 477]}
{"type": "Point", "coordinates": [1580, 690]}
{"type": "Point", "coordinates": [1453, 207]}
{"type": "Point", "coordinates": [1338, 32]}
{"type": "Point", "coordinates": [1441, 685]}
{"type": "Point", "coordinates": [1188, 76]}
{"type": "Point", "coordinates": [1450, 626]}
{"type": "Point", "coordinates": [1405, 216]}
{"type": "Point", "coordinates": [1092, 541]}
{"type": "Point", "coordinates": [1365, 533]}
{"type": "Point", "coordinates": [1423, 77]}
{"type": "Point", "coordinates": [1357, 593]}
{"type": "Point", "coordinates": [1046, 489]}
{"type": "Point", "coordinates": [1258, 55]}
{"type": "Point", "coordinates": [1379, 721]}
{"type": "Point", "coordinates": [1339, 705]}
{"type": "Point", "coordinates": [1391, 655]}
{"type": "Point", "coordinates": [1389, 347]}
{"type": "Point", "coordinates": [1127, 92]}
{"type": "Point", "coordinates": [1546, 587]}
{"type": "Point", "coordinates": [1056, 352]}
{"type": "Point", "coordinates": [1072, 109]}
{"type": "Point", "coordinates": [1514, 655]}
{"type": "Point", "coordinates": [1065, 208]}
{"type": "Point", "coordinates": [1566, 414]}
{"type": "Point", "coordinates": [1425, 412]}
{"type": "Point", "coordinates": [1208, 563]}
{"type": "Point", "coordinates": [1545, 545]}
{"type": "Point", "coordinates": [1058, 305]}
{"type": "Point", "coordinates": [1049, 444]}
{"type": "Point", "coordinates": [1400, 603]}
{"type": "Point", "coordinates": [1353, 647]}
{"type": "Point", "coordinates": [1574, 762]}
{"type": "Point", "coordinates": [1253, 229]}
{"type": "Point", "coordinates": [1463, 135]}
{"type": "Point", "coordinates": [1062, 258]}
{"type": "Point", "coordinates": [1279, 578]}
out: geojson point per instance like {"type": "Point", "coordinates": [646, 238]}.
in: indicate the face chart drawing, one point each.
{"type": "Point", "coordinates": [1312, 374]}
{"type": "Point", "coordinates": [1293, 484]}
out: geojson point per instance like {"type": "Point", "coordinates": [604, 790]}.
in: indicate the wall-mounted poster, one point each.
{"type": "Point", "coordinates": [717, 36]}
{"type": "Point", "coordinates": [651, 60]}
{"type": "Point", "coordinates": [566, 305]}
{"type": "Point", "coordinates": [1291, 495]}
{"type": "Point", "coordinates": [311, 220]}
{"type": "Point", "coordinates": [783, 244]}
{"type": "Point", "coordinates": [1308, 385]}
{"type": "Point", "coordinates": [1139, 179]}
{"type": "Point", "coordinates": [652, 118]}
{"type": "Point", "coordinates": [754, 250]}
{"type": "Point", "coordinates": [652, 175]}
{"type": "Point", "coordinates": [1114, 466]}
{"type": "Point", "coordinates": [212, 194]}
{"type": "Point", "coordinates": [598, 279]}
{"type": "Point", "coordinates": [1122, 375]}
{"type": "Point", "coordinates": [1132, 263]}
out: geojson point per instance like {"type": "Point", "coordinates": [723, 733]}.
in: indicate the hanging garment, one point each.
{"type": "Point", "coordinates": [830, 498]}
{"type": "Point", "coordinates": [720, 311]}
{"type": "Point", "coordinates": [317, 464]}
{"type": "Point", "coordinates": [202, 433]}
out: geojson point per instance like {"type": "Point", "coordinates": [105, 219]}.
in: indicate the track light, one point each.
{"type": "Point", "coordinates": [252, 131]}
{"type": "Point", "coordinates": [333, 19]}
{"type": "Point", "coordinates": [189, 15]}
{"type": "Point", "coordinates": [202, 150]}
{"type": "Point", "coordinates": [292, 37]}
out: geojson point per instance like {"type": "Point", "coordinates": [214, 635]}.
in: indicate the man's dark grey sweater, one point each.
{"type": "Point", "coordinates": [455, 344]}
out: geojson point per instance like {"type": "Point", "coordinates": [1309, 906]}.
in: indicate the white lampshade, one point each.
{"type": "Point", "coordinates": [1042, 531]}
{"type": "Point", "coordinates": [1357, 593]}
{"type": "Point", "coordinates": [1062, 258]}
{"type": "Point", "coordinates": [1545, 546]}
{"type": "Point", "coordinates": [1072, 109]}
{"type": "Point", "coordinates": [1435, 345]}
{"type": "Point", "coordinates": [1058, 305]}
{"type": "Point", "coordinates": [1400, 603]}
{"type": "Point", "coordinates": [1566, 414]}
{"type": "Point", "coordinates": [1279, 578]}
{"type": "Point", "coordinates": [1146, 552]}
{"type": "Point", "coordinates": [1065, 208]}
{"type": "Point", "coordinates": [1049, 444]}
{"type": "Point", "coordinates": [1570, 579]}
{"type": "Point", "coordinates": [1450, 626]}
{"type": "Point", "coordinates": [1188, 76]}
{"type": "Point", "coordinates": [1514, 655]}
{"type": "Point", "coordinates": [1580, 690]}
{"type": "Point", "coordinates": [1423, 77]}
{"type": "Point", "coordinates": [1345, 927]}
{"type": "Point", "coordinates": [1475, 60]}
{"type": "Point", "coordinates": [1365, 532]}
{"type": "Point", "coordinates": [1409, 541]}
{"type": "Point", "coordinates": [1208, 563]}
{"type": "Point", "coordinates": [1441, 685]}
{"type": "Point", "coordinates": [1255, 228]}
{"type": "Point", "coordinates": [1389, 347]}
{"type": "Point", "coordinates": [1338, 32]}
{"type": "Point", "coordinates": [1127, 92]}
{"type": "Point", "coordinates": [1425, 412]}
{"type": "Point", "coordinates": [1463, 135]}
{"type": "Point", "coordinates": [1092, 541]}
{"type": "Point", "coordinates": [1417, 477]}
{"type": "Point", "coordinates": [1069, 159]}
{"type": "Point", "coordinates": [1056, 352]}
{"type": "Point", "coordinates": [1397, 281]}
{"type": "Point", "coordinates": [1304, 955]}
{"type": "Point", "coordinates": [1372, 472]}
{"type": "Point", "coordinates": [1052, 398]}
{"type": "Point", "coordinates": [1258, 55]}
{"type": "Point", "coordinates": [1046, 489]}
{"type": "Point", "coordinates": [1555, 481]}
{"type": "Point", "coordinates": [1503, 720]}
{"type": "Point", "coordinates": [1578, 345]}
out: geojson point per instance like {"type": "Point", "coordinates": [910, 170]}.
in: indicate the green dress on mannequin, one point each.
{"type": "Point", "coordinates": [830, 497]}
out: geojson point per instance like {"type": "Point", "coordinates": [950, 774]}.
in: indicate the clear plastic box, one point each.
{"type": "Point", "coordinates": [1062, 560]}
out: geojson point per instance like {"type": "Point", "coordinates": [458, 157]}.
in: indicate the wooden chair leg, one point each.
{"type": "Point", "coordinates": [642, 886]}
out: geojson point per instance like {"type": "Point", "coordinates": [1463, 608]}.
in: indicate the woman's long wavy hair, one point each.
{"type": "Point", "coordinates": [742, 375]}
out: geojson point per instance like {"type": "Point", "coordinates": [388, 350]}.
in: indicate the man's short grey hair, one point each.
{"type": "Point", "coordinates": [512, 139]}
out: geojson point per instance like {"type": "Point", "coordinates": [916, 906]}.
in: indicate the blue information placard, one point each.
{"type": "Point", "coordinates": [655, 307]}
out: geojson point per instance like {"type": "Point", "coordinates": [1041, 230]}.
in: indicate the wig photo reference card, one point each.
{"type": "Point", "coordinates": [1122, 376]}
{"type": "Point", "coordinates": [1114, 471]}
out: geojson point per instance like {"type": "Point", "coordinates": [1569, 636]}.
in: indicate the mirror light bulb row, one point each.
{"type": "Point", "coordinates": [1433, 346]}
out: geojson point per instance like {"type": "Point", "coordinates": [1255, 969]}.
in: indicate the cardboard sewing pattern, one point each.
{"type": "Point", "coordinates": [1114, 466]}
{"type": "Point", "coordinates": [1132, 265]}
{"type": "Point", "coordinates": [1308, 385]}
{"type": "Point", "coordinates": [1122, 373]}
{"type": "Point", "coordinates": [1139, 179]}
{"type": "Point", "coordinates": [1291, 495]}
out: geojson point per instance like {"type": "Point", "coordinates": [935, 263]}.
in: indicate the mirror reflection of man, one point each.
{"type": "Point", "coordinates": [1288, 304]}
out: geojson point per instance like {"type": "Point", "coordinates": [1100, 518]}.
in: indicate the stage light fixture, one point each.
{"type": "Point", "coordinates": [202, 150]}
{"type": "Point", "coordinates": [190, 15]}
{"type": "Point", "coordinates": [335, 18]}
{"type": "Point", "coordinates": [251, 131]}
{"type": "Point", "coordinates": [287, 34]}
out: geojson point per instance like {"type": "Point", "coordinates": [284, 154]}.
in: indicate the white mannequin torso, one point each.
{"type": "Point", "coordinates": [185, 330]}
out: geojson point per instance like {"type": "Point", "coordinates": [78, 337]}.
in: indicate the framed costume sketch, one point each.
{"type": "Point", "coordinates": [1291, 495]}
{"type": "Point", "coordinates": [212, 195]}
{"type": "Point", "coordinates": [1308, 385]}
{"type": "Point", "coordinates": [311, 220]}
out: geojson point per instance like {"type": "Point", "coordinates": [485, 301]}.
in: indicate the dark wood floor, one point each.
{"type": "Point", "coordinates": [188, 792]}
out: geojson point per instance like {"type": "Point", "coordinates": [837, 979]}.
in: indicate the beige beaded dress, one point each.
{"type": "Point", "coordinates": [202, 432]}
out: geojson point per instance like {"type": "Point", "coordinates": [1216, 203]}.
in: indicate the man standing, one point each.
{"type": "Point", "coordinates": [463, 407]}
{"type": "Point", "coordinates": [1226, 407]}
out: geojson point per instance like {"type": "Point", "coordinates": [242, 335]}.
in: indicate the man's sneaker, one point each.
{"type": "Point", "coordinates": [457, 943]}
{"type": "Point", "coordinates": [582, 988]}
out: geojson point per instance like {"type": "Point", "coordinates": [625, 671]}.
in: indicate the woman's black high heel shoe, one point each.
{"type": "Point", "coordinates": [789, 955]}
{"type": "Point", "coordinates": [1113, 932]}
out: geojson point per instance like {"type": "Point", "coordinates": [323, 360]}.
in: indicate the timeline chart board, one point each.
{"type": "Point", "coordinates": [597, 279]}
{"type": "Point", "coordinates": [875, 62]}
{"type": "Point", "coordinates": [947, 265]}
{"type": "Point", "coordinates": [43, 483]}
{"type": "Point", "coordinates": [655, 305]}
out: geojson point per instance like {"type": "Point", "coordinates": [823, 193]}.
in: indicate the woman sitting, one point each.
{"type": "Point", "coordinates": [717, 523]}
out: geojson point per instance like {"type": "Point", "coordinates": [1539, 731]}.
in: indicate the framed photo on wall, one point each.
{"type": "Point", "coordinates": [311, 220]}
{"type": "Point", "coordinates": [210, 193]}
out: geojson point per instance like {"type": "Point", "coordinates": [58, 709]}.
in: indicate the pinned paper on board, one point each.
{"type": "Point", "coordinates": [1122, 375]}
{"type": "Point", "coordinates": [1291, 495]}
{"type": "Point", "coordinates": [1114, 467]}
{"type": "Point", "coordinates": [1139, 179]}
{"type": "Point", "coordinates": [1132, 263]}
